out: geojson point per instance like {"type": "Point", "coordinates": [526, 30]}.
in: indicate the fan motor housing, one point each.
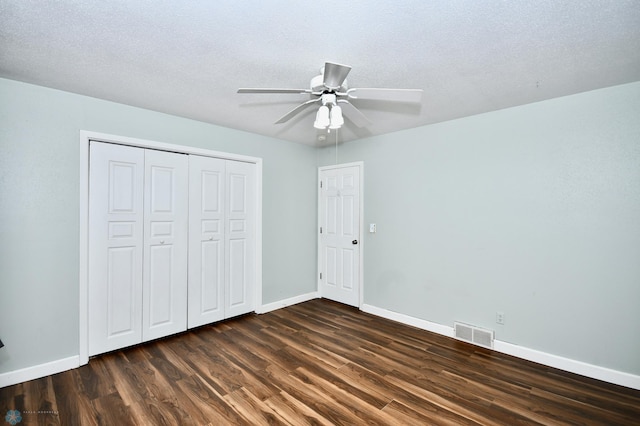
{"type": "Point", "coordinates": [317, 84]}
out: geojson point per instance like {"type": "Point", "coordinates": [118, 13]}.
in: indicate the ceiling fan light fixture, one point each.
{"type": "Point", "coordinates": [337, 120]}
{"type": "Point", "coordinates": [330, 88]}
{"type": "Point", "coordinates": [322, 118]}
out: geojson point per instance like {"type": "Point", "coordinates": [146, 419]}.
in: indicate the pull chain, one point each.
{"type": "Point", "coordinates": [336, 147]}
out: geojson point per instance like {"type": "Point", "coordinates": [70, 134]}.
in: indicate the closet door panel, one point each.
{"type": "Point", "coordinates": [240, 238]}
{"type": "Point", "coordinates": [165, 244]}
{"type": "Point", "coordinates": [115, 246]}
{"type": "Point", "coordinates": [206, 240]}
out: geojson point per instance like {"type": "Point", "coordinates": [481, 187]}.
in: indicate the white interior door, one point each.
{"type": "Point", "coordinates": [340, 245]}
{"type": "Point", "coordinates": [115, 246]}
{"type": "Point", "coordinates": [206, 240]}
{"type": "Point", "coordinates": [240, 238]}
{"type": "Point", "coordinates": [165, 247]}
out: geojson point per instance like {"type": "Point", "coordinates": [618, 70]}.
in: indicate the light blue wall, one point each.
{"type": "Point", "coordinates": [39, 209]}
{"type": "Point", "coordinates": [533, 211]}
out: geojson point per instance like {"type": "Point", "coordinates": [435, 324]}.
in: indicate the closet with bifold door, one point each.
{"type": "Point", "coordinates": [171, 243]}
{"type": "Point", "coordinates": [222, 218]}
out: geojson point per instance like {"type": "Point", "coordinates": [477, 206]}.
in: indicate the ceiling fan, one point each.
{"type": "Point", "coordinates": [330, 90]}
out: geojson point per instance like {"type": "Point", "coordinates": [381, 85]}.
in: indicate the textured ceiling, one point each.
{"type": "Point", "coordinates": [188, 58]}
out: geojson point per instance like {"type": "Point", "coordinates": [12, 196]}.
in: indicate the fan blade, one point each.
{"type": "Point", "coordinates": [395, 95]}
{"type": "Point", "coordinates": [288, 116]}
{"type": "Point", "coordinates": [353, 114]}
{"type": "Point", "coordinates": [301, 91]}
{"type": "Point", "coordinates": [334, 75]}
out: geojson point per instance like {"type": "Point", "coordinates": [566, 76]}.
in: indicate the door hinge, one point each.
{"type": "Point", "coordinates": [320, 184]}
{"type": "Point", "coordinates": [320, 275]}
{"type": "Point", "coordinates": [321, 229]}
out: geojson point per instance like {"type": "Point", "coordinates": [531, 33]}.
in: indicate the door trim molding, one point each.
{"type": "Point", "coordinates": [85, 138]}
{"type": "Point", "coordinates": [360, 165]}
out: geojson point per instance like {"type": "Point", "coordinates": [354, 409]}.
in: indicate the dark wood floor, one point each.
{"type": "Point", "coordinates": [316, 363]}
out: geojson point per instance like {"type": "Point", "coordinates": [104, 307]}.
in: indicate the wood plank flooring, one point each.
{"type": "Point", "coordinates": [316, 363]}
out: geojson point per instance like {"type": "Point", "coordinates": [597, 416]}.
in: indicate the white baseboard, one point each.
{"type": "Point", "coordinates": [571, 365]}
{"type": "Point", "coordinates": [38, 371]}
{"type": "Point", "coordinates": [408, 320]}
{"type": "Point", "coordinates": [578, 367]}
{"type": "Point", "coordinates": [287, 302]}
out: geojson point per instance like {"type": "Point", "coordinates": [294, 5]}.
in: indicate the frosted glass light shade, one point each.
{"type": "Point", "coordinates": [336, 117]}
{"type": "Point", "coordinates": [322, 118]}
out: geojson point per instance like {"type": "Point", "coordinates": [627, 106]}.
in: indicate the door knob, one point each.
{"type": "Point", "coordinates": [354, 242]}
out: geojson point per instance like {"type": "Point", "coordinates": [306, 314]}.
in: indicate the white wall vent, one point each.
{"type": "Point", "coordinates": [472, 334]}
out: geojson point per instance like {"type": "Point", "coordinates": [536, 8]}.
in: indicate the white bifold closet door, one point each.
{"type": "Point", "coordinates": [115, 246]}
{"type": "Point", "coordinates": [166, 223]}
{"type": "Point", "coordinates": [138, 222]}
{"type": "Point", "coordinates": [221, 239]}
{"type": "Point", "coordinates": [240, 240]}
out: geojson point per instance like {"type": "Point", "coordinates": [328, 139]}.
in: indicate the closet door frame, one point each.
{"type": "Point", "coordinates": [85, 138]}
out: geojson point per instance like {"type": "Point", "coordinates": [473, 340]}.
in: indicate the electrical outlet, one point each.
{"type": "Point", "coordinates": [372, 228]}
{"type": "Point", "coordinates": [500, 318]}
